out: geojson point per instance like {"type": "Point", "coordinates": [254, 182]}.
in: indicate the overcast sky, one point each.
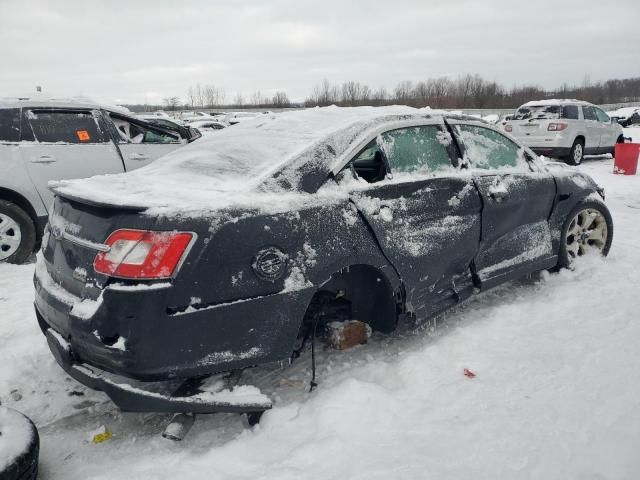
{"type": "Point", "coordinates": [137, 51]}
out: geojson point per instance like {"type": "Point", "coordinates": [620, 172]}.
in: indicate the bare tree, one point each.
{"type": "Point", "coordinates": [171, 103]}
{"type": "Point", "coordinates": [280, 100]}
{"type": "Point", "coordinates": [402, 94]}
{"type": "Point", "coordinates": [257, 99]}
{"type": "Point", "coordinates": [191, 96]}
{"type": "Point", "coordinates": [239, 99]}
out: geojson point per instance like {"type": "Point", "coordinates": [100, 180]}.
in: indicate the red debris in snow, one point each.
{"type": "Point", "coordinates": [468, 373]}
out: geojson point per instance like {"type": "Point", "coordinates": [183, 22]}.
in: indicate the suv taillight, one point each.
{"type": "Point", "coordinates": [144, 255]}
{"type": "Point", "coordinates": [556, 127]}
{"type": "Point", "coordinates": [508, 128]}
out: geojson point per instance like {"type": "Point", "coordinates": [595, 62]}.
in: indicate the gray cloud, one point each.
{"type": "Point", "coordinates": [145, 50]}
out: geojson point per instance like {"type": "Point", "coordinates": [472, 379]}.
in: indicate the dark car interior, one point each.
{"type": "Point", "coordinates": [370, 164]}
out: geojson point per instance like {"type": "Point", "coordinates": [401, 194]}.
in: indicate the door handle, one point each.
{"type": "Point", "coordinates": [498, 193]}
{"type": "Point", "coordinates": [43, 159]}
{"type": "Point", "coordinates": [138, 156]}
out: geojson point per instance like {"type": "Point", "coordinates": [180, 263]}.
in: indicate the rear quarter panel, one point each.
{"type": "Point", "coordinates": [15, 176]}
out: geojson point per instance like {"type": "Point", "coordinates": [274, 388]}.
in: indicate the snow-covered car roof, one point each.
{"type": "Point", "coordinates": [216, 171]}
{"type": "Point", "coordinates": [52, 102]}
{"type": "Point", "coordinates": [556, 101]}
{"type": "Point", "coordinates": [198, 123]}
{"type": "Point", "coordinates": [623, 112]}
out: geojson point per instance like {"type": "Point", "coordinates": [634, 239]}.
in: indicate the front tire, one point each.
{"type": "Point", "coordinates": [576, 154]}
{"type": "Point", "coordinates": [17, 233]}
{"type": "Point", "coordinates": [588, 228]}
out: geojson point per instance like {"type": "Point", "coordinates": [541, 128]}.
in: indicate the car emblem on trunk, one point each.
{"type": "Point", "coordinates": [269, 264]}
{"type": "Point", "coordinates": [80, 274]}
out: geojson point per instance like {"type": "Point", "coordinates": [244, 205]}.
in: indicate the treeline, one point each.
{"type": "Point", "coordinates": [211, 96]}
{"type": "Point", "coordinates": [467, 91]}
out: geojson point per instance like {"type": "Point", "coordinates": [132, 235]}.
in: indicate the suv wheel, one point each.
{"type": "Point", "coordinates": [576, 154]}
{"type": "Point", "coordinates": [17, 233]}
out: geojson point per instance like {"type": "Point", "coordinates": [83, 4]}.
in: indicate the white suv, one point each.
{"type": "Point", "coordinates": [49, 140]}
{"type": "Point", "coordinates": [566, 129]}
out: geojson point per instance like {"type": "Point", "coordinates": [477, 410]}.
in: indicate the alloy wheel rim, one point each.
{"type": "Point", "coordinates": [10, 236]}
{"type": "Point", "coordinates": [577, 153]}
{"type": "Point", "coordinates": [587, 232]}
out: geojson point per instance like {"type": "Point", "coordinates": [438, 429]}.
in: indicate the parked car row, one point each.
{"type": "Point", "coordinates": [58, 140]}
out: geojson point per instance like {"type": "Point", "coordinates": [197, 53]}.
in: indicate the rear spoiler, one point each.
{"type": "Point", "coordinates": [94, 203]}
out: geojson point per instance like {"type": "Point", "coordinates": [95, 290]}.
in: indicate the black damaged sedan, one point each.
{"type": "Point", "coordinates": [227, 254]}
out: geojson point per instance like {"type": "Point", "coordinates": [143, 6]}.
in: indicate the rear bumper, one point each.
{"type": "Point", "coordinates": [130, 332]}
{"type": "Point", "coordinates": [165, 397]}
{"type": "Point", "coordinates": [552, 151]}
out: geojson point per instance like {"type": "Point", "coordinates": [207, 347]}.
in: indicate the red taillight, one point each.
{"type": "Point", "coordinates": [142, 254]}
{"type": "Point", "coordinates": [556, 127]}
{"type": "Point", "coordinates": [508, 128]}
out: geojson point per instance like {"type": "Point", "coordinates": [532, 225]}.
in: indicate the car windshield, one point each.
{"type": "Point", "coordinates": [527, 112]}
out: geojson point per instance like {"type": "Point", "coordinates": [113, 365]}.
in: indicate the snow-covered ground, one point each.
{"type": "Point", "coordinates": [556, 393]}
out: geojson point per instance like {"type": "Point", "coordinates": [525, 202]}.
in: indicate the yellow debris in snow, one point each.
{"type": "Point", "coordinates": [102, 437]}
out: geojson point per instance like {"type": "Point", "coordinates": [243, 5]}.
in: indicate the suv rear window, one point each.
{"type": "Point", "coordinates": [570, 112]}
{"type": "Point", "coordinates": [65, 126]}
{"type": "Point", "coordinates": [10, 125]}
{"type": "Point", "coordinates": [538, 112]}
{"type": "Point", "coordinates": [589, 113]}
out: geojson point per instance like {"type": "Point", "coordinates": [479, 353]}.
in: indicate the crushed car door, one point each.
{"type": "Point", "coordinates": [65, 144]}
{"type": "Point", "coordinates": [140, 142]}
{"type": "Point", "coordinates": [426, 219]}
{"type": "Point", "coordinates": [517, 197]}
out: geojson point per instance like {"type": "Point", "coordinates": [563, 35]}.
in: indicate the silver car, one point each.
{"type": "Point", "coordinates": [42, 141]}
{"type": "Point", "coordinates": [566, 129]}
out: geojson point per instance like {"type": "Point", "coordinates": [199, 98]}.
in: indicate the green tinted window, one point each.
{"type": "Point", "coordinates": [416, 148]}
{"type": "Point", "coordinates": [486, 148]}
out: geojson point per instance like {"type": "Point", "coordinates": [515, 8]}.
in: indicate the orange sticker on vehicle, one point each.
{"type": "Point", "coordinates": [83, 135]}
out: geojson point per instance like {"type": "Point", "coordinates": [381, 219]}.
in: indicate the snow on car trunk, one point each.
{"type": "Point", "coordinates": [555, 394]}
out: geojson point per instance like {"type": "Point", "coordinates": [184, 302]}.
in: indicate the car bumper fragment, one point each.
{"type": "Point", "coordinates": [161, 397]}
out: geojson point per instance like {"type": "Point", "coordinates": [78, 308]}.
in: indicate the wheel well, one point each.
{"type": "Point", "coordinates": [23, 203]}
{"type": "Point", "coordinates": [358, 292]}
{"type": "Point", "coordinates": [581, 138]}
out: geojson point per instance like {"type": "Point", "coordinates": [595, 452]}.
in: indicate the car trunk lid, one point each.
{"type": "Point", "coordinates": [75, 235]}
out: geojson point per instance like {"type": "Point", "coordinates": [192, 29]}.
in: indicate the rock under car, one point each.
{"type": "Point", "coordinates": [228, 253]}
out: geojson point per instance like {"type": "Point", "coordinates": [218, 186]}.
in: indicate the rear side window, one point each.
{"type": "Point", "coordinates": [65, 126]}
{"type": "Point", "coordinates": [570, 112]}
{"type": "Point", "coordinates": [589, 113]}
{"type": "Point", "coordinates": [602, 117]}
{"type": "Point", "coordinates": [134, 132]}
{"type": "Point", "coordinates": [488, 149]}
{"type": "Point", "coordinates": [10, 125]}
{"type": "Point", "coordinates": [416, 149]}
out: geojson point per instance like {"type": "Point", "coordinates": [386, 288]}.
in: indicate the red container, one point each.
{"type": "Point", "coordinates": [626, 158]}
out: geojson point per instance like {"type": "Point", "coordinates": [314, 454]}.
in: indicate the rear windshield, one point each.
{"type": "Point", "coordinates": [540, 112]}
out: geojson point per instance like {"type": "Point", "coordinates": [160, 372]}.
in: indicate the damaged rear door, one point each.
{"type": "Point", "coordinates": [426, 219]}
{"type": "Point", "coordinates": [517, 197]}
